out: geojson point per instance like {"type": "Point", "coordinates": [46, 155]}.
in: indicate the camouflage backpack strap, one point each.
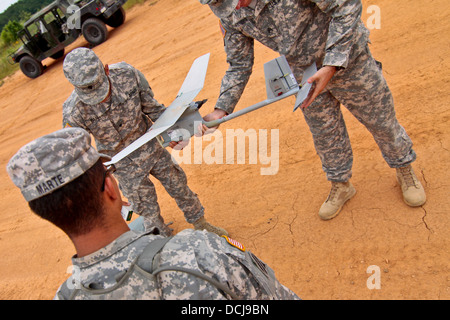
{"type": "Point", "coordinates": [69, 289]}
{"type": "Point", "coordinates": [145, 262]}
{"type": "Point", "coordinates": [200, 275]}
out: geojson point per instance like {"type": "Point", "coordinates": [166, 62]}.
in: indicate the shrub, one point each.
{"type": "Point", "coordinates": [9, 32]}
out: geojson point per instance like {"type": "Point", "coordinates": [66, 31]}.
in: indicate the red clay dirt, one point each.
{"type": "Point", "coordinates": [275, 216]}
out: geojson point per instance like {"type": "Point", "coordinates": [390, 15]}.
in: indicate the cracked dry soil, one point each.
{"type": "Point", "coordinates": [275, 216]}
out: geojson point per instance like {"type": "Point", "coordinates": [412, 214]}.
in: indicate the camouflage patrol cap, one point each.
{"type": "Point", "coordinates": [50, 162]}
{"type": "Point", "coordinates": [221, 8]}
{"type": "Point", "coordinates": [86, 72]}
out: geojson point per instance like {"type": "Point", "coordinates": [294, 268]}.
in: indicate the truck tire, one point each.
{"type": "Point", "coordinates": [31, 67]}
{"type": "Point", "coordinates": [117, 19]}
{"type": "Point", "coordinates": [94, 31]}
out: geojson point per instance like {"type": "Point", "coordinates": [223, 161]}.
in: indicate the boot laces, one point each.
{"type": "Point", "coordinates": [334, 190]}
{"type": "Point", "coordinates": [408, 176]}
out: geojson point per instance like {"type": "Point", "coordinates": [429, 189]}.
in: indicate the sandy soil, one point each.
{"type": "Point", "coordinates": [275, 216]}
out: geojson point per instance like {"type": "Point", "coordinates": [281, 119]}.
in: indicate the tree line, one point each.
{"type": "Point", "coordinates": [21, 10]}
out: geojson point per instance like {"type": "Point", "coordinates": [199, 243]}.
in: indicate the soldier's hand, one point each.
{"type": "Point", "coordinates": [320, 80]}
{"type": "Point", "coordinates": [178, 145]}
{"type": "Point", "coordinates": [216, 114]}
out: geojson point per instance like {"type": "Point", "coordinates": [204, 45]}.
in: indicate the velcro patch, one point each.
{"type": "Point", "coordinates": [235, 243]}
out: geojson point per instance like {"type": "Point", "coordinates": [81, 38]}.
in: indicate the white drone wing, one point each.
{"type": "Point", "coordinates": [192, 85]}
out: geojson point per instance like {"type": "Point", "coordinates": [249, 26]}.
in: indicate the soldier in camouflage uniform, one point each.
{"type": "Point", "coordinates": [65, 182]}
{"type": "Point", "coordinates": [331, 34]}
{"type": "Point", "coordinates": [115, 104]}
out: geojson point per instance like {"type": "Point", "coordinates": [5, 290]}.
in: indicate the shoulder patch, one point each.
{"type": "Point", "coordinates": [222, 29]}
{"type": "Point", "coordinates": [235, 243]}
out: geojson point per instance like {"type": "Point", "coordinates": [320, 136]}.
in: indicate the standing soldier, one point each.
{"type": "Point", "coordinates": [115, 104]}
{"type": "Point", "coordinates": [332, 35]}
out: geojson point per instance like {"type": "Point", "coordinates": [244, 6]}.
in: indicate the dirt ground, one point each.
{"type": "Point", "coordinates": [275, 216]}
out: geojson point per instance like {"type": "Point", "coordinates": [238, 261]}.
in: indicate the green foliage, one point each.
{"type": "Point", "coordinates": [22, 9]}
{"type": "Point", "coordinates": [6, 68]}
{"type": "Point", "coordinates": [9, 32]}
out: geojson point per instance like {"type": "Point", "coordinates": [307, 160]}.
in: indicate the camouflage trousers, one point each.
{"type": "Point", "coordinates": [362, 89]}
{"type": "Point", "coordinates": [135, 184]}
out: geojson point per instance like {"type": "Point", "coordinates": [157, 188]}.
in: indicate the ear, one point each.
{"type": "Point", "coordinates": [111, 189]}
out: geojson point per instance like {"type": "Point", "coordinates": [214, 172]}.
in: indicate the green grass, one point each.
{"type": "Point", "coordinates": [6, 68]}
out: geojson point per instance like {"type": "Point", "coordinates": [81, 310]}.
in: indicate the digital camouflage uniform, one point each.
{"type": "Point", "coordinates": [136, 264]}
{"type": "Point", "coordinates": [111, 272]}
{"type": "Point", "coordinates": [118, 122]}
{"type": "Point", "coordinates": [329, 33]}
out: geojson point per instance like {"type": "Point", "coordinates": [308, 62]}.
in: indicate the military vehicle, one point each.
{"type": "Point", "coordinates": [50, 30]}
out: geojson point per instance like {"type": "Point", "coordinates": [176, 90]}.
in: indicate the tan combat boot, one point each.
{"type": "Point", "coordinates": [202, 224]}
{"type": "Point", "coordinates": [413, 192]}
{"type": "Point", "coordinates": [339, 194]}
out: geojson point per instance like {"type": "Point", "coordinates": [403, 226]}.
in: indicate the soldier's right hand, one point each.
{"type": "Point", "coordinates": [216, 114]}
